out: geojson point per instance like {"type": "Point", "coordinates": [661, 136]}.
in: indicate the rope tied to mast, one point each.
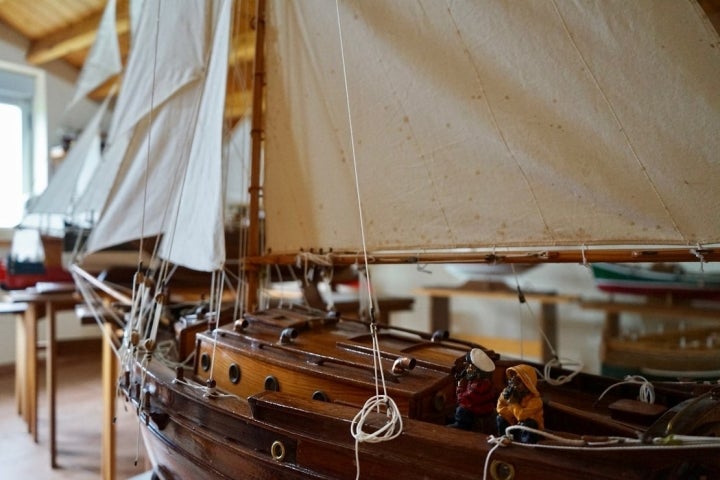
{"type": "Point", "coordinates": [393, 424]}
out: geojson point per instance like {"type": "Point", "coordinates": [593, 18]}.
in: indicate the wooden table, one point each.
{"type": "Point", "coordinates": [43, 300]}
{"type": "Point", "coordinates": [440, 305]}
{"type": "Point", "coordinates": [18, 310]}
{"type": "Point", "coordinates": [349, 304]}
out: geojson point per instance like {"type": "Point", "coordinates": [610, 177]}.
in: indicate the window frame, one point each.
{"type": "Point", "coordinates": [34, 114]}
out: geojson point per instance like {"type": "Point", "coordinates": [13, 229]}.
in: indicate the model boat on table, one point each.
{"type": "Point", "coordinates": [663, 280]}
{"type": "Point", "coordinates": [395, 133]}
{"type": "Point", "coordinates": [33, 258]}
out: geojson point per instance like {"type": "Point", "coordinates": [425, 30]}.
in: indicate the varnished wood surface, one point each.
{"type": "Point", "coordinates": [219, 437]}
{"type": "Point", "coordinates": [201, 434]}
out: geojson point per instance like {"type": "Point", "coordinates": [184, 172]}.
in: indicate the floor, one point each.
{"type": "Point", "coordinates": [79, 427]}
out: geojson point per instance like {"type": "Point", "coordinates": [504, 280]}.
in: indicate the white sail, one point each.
{"type": "Point", "coordinates": [475, 126]}
{"type": "Point", "coordinates": [73, 175]}
{"type": "Point", "coordinates": [165, 64]}
{"type": "Point", "coordinates": [492, 124]}
{"type": "Point", "coordinates": [166, 135]}
{"type": "Point", "coordinates": [195, 237]}
{"type": "Point", "coordinates": [103, 61]}
{"type": "Point", "coordinates": [135, 12]}
{"type": "Point", "coordinates": [94, 198]}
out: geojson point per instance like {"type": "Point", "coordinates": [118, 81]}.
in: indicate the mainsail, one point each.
{"type": "Point", "coordinates": [492, 125]}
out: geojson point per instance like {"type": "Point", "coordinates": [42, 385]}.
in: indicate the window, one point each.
{"type": "Point", "coordinates": [11, 149]}
{"type": "Point", "coordinates": [23, 140]}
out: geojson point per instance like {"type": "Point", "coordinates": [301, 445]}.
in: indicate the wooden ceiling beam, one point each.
{"type": "Point", "coordinates": [77, 36]}
{"type": "Point", "coordinates": [103, 90]}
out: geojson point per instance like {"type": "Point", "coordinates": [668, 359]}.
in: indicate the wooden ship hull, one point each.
{"type": "Point", "coordinates": [283, 407]}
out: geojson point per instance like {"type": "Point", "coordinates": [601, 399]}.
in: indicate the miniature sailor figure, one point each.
{"type": "Point", "coordinates": [520, 403]}
{"type": "Point", "coordinates": [475, 392]}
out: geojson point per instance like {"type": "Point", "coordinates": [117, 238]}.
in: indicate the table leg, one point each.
{"type": "Point", "coordinates": [109, 382]}
{"type": "Point", "coordinates": [439, 313]}
{"type": "Point", "coordinates": [20, 373]}
{"type": "Point", "coordinates": [30, 394]}
{"type": "Point", "coordinates": [50, 377]}
{"type": "Point", "coordinates": [548, 324]}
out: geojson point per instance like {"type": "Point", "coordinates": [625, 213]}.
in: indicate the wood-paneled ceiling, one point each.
{"type": "Point", "coordinates": [65, 30]}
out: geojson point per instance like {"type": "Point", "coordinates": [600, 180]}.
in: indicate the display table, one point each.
{"type": "Point", "coordinates": [18, 311]}
{"type": "Point", "coordinates": [43, 300]}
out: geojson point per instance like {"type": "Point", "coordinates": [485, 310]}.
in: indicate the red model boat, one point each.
{"type": "Point", "coordinates": [33, 258]}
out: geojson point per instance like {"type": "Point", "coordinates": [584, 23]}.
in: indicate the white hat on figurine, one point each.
{"type": "Point", "coordinates": [481, 360]}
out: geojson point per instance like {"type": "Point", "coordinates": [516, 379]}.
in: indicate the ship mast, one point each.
{"type": "Point", "coordinates": [253, 244]}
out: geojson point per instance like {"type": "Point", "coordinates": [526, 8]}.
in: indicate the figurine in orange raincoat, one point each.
{"type": "Point", "coordinates": [520, 403]}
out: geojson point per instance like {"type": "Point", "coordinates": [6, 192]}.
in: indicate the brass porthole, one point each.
{"type": "Point", "coordinates": [234, 373]}
{"type": "Point", "coordinates": [205, 362]}
{"type": "Point", "coordinates": [277, 451]}
{"type": "Point", "coordinates": [501, 470]}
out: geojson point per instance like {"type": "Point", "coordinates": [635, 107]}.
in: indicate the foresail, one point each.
{"type": "Point", "coordinates": [195, 236]}
{"type": "Point", "coordinates": [492, 124]}
{"type": "Point", "coordinates": [152, 149]}
{"type": "Point", "coordinates": [170, 54]}
{"type": "Point", "coordinates": [72, 176]}
{"type": "Point", "coordinates": [94, 198]}
{"type": "Point", "coordinates": [103, 60]}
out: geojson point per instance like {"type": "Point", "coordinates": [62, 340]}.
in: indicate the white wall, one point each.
{"type": "Point", "coordinates": [60, 80]}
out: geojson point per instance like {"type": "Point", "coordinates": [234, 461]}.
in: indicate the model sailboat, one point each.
{"type": "Point", "coordinates": [56, 215]}
{"type": "Point", "coordinates": [67, 208]}
{"type": "Point", "coordinates": [396, 132]}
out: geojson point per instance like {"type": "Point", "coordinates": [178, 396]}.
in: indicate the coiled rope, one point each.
{"type": "Point", "coordinates": [647, 391]}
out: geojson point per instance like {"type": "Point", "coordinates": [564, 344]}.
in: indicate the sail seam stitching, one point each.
{"type": "Point", "coordinates": [499, 130]}
{"type": "Point", "coordinates": [616, 117]}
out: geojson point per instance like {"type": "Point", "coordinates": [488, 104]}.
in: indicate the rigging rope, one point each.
{"type": "Point", "coordinates": [576, 366]}
{"type": "Point", "coordinates": [612, 443]}
{"type": "Point", "coordinates": [393, 425]}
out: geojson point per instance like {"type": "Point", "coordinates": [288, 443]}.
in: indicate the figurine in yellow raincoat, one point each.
{"type": "Point", "coordinates": [520, 403]}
